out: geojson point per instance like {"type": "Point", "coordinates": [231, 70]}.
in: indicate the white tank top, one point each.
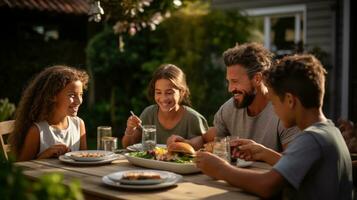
{"type": "Point", "coordinates": [50, 136]}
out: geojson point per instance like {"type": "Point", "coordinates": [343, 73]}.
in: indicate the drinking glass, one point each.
{"type": "Point", "coordinates": [221, 148]}
{"type": "Point", "coordinates": [230, 139]}
{"type": "Point", "coordinates": [148, 137]}
{"type": "Point", "coordinates": [102, 132]}
{"type": "Point", "coordinates": [109, 143]}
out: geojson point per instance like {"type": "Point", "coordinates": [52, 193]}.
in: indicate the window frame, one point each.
{"type": "Point", "coordinates": [297, 10]}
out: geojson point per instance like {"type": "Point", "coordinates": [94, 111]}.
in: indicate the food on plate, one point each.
{"type": "Point", "coordinates": [88, 155]}
{"type": "Point", "coordinates": [141, 175]}
{"type": "Point", "coordinates": [177, 153]}
{"type": "Point", "coordinates": [181, 147]}
{"type": "Point", "coordinates": [209, 146]}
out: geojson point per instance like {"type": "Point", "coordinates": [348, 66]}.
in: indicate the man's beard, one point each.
{"type": "Point", "coordinates": [247, 99]}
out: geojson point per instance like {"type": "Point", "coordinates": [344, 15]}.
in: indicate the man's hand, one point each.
{"type": "Point", "coordinates": [175, 138]}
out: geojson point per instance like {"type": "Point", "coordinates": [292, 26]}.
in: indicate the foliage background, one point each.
{"type": "Point", "coordinates": [193, 38]}
{"type": "Point", "coordinates": [14, 185]}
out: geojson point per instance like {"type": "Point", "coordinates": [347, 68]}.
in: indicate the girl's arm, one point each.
{"type": "Point", "coordinates": [83, 139]}
{"type": "Point", "coordinates": [132, 133]}
{"type": "Point", "coordinates": [31, 145]}
{"type": "Point", "coordinates": [131, 137]}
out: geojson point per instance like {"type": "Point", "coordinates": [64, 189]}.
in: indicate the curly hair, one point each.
{"type": "Point", "coordinates": [177, 78]}
{"type": "Point", "coordinates": [37, 101]}
{"type": "Point", "coordinates": [252, 56]}
{"type": "Point", "coordinates": [300, 75]}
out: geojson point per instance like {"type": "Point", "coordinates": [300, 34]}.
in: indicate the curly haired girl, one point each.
{"type": "Point", "coordinates": [46, 119]}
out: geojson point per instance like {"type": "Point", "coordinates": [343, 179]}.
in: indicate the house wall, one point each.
{"type": "Point", "coordinates": [320, 19]}
{"type": "Point", "coordinates": [353, 67]}
{"type": "Point", "coordinates": [323, 30]}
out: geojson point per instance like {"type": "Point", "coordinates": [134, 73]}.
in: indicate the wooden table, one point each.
{"type": "Point", "coordinates": [194, 186]}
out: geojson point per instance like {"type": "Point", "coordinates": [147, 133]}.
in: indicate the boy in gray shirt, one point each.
{"type": "Point", "coordinates": [316, 164]}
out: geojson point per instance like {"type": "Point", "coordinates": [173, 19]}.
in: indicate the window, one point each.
{"type": "Point", "coordinates": [281, 29]}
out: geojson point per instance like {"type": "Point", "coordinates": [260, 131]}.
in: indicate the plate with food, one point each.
{"type": "Point", "coordinates": [139, 147]}
{"type": "Point", "coordinates": [142, 179]}
{"type": "Point", "coordinates": [89, 155]}
{"type": "Point", "coordinates": [178, 158]}
{"type": "Point", "coordinates": [109, 159]}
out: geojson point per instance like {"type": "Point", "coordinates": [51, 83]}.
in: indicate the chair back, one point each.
{"type": "Point", "coordinates": [6, 127]}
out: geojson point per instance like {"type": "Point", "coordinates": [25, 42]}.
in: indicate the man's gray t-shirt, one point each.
{"type": "Point", "coordinates": [191, 124]}
{"type": "Point", "coordinates": [317, 164]}
{"type": "Point", "coordinates": [265, 128]}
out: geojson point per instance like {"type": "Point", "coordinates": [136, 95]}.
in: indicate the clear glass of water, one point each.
{"type": "Point", "coordinates": [221, 148]}
{"type": "Point", "coordinates": [102, 132]}
{"type": "Point", "coordinates": [109, 143]}
{"type": "Point", "coordinates": [148, 137]}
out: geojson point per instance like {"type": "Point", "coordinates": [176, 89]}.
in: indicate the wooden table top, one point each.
{"type": "Point", "coordinates": [193, 186]}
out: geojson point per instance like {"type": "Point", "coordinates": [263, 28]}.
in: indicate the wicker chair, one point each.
{"type": "Point", "coordinates": [6, 127]}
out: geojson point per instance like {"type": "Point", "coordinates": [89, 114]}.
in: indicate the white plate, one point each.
{"type": "Point", "coordinates": [243, 163]}
{"type": "Point", "coordinates": [75, 155]}
{"type": "Point", "coordinates": [141, 182]}
{"type": "Point", "coordinates": [118, 177]}
{"type": "Point", "coordinates": [109, 159]}
{"type": "Point", "coordinates": [171, 179]}
{"type": "Point", "coordinates": [181, 168]}
{"type": "Point", "coordinates": [139, 147]}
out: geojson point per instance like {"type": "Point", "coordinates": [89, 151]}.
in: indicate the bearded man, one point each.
{"type": "Point", "coordinates": [248, 114]}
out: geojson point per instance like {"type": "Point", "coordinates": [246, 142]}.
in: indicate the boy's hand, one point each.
{"type": "Point", "coordinates": [248, 150]}
{"type": "Point", "coordinates": [210, 164]}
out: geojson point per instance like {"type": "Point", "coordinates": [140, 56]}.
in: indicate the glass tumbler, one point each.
{"type": "Point", "coordinates": [109, 143]}
{"type": "Point", "coordinates": [102, 132]}
{"type": "Point", "coordinates": [148, 137]}
{"type": "Point", "coordinates": [221, 148]}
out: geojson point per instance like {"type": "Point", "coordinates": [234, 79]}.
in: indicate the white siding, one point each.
{"type": "Point", "coordinates": [319, 17]}
{"type": "Point", "coordinates": [323, 30]}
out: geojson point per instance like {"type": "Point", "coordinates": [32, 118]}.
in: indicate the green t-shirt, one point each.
{"type": "Point", "coordinates": [192, 124]}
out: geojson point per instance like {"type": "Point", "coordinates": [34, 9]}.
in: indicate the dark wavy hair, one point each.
{"type": "Point", "coordinates": [37, 101]}
{"type": "Point", "coordinates": [301, 75]}
{"type": "Point", "coordinates": [252, 56]}
{"type": "Point", "coordinates": [177, 78]}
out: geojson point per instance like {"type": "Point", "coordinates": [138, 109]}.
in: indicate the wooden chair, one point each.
{"type": "Point", "coordinates": [6, 127]}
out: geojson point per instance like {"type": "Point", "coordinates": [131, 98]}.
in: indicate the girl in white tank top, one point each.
{"type": "Point", "coordinates": [46, 120]}
{"type": "Point", "coordinates": [50, 136]}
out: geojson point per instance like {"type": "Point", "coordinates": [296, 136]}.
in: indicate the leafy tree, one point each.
{"type": "Point", "coordinates": [7, 109]}
{"type": "Point", "coordinates": [196, 38]}
{"type": "Point", "coordinates": [193, 38]}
